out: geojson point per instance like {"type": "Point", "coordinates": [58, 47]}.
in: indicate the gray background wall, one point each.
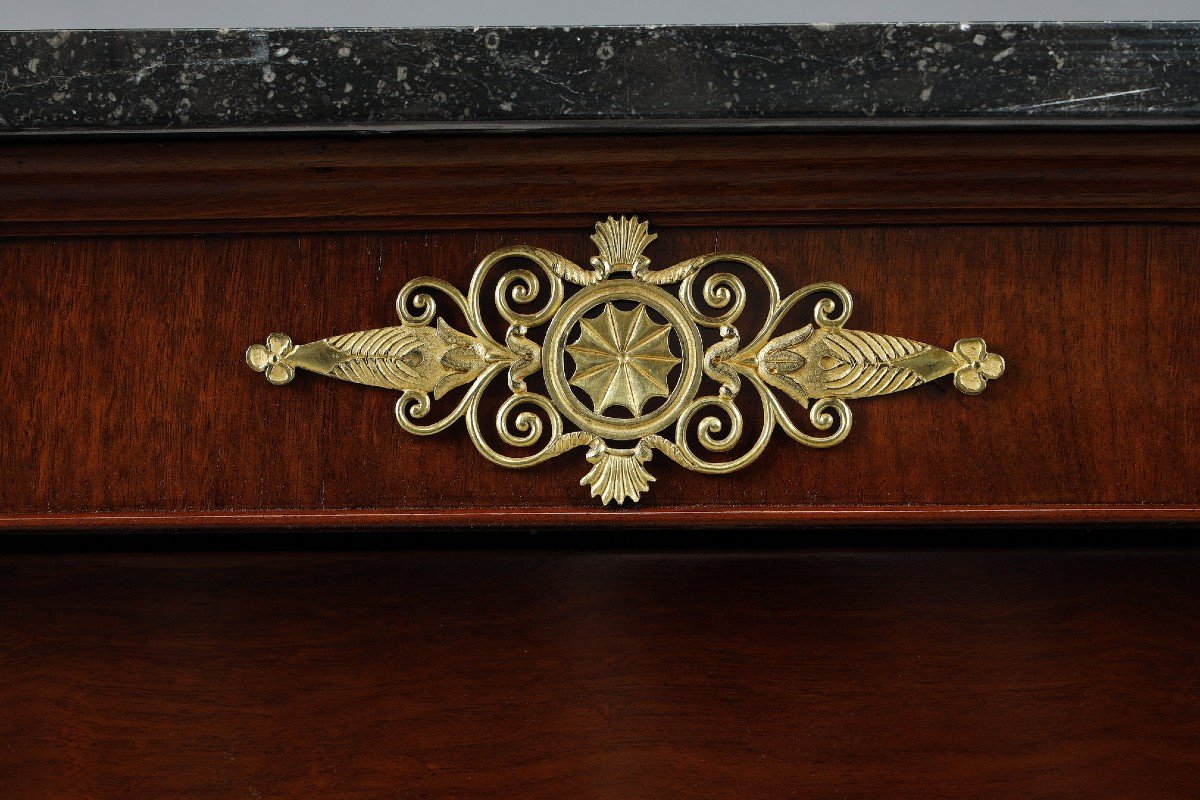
{"type": "Point", "coordinates": [17, 14]}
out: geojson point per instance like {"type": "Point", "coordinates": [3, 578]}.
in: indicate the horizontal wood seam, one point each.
{"type": "Point", "coordinates": [642, 517]}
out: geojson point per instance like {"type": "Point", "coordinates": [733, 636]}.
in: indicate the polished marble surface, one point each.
{"type": "Point", "coordinates": [777, 74]}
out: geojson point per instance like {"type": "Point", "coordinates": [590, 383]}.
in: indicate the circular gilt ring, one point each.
{"type": "Point", "coordinates": [554, 353]}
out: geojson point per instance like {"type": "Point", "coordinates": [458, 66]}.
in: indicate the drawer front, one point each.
{"type": "Point", "coordinates": [139, 273]}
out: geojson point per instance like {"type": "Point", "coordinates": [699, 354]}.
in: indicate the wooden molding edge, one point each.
{"type": "Point", "coordinates": [669, 517]}
{"type": "Point", "coordinates": [72, 187]}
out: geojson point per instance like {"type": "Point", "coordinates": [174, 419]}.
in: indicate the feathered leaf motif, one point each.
{"type": "Point", "coordinates": [821, 362]}
{"type": "Point", "coordinates": [387, 357]}
{"type": "Point", "coordinates": [407, 358]}
{"type": "Point", "coordinates": [864, 364]}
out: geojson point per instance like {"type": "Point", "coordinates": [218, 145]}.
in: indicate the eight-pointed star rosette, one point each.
{"type": "Point", "coordinates": [636, 350]}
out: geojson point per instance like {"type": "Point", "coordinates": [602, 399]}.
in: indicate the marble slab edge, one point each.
{"type": "Point", "coordinates": [637, 78]}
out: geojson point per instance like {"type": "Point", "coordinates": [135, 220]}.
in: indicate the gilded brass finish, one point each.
{"type": "Point", "coordinates": [623, 361]}
{"type": "Point", "coordinates": [642, 372]}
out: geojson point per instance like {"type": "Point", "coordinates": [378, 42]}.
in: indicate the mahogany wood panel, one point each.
{"type": "Point", "coordinates": [130, 402]}
{"type": "Point", "coordinates": [603, 675]}
{"type": "Point", "coordinates": [472, 181]}
{"type": "Point", "coordinates": [127, 403]}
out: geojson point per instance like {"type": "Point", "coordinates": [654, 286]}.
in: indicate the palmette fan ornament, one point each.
{"type": "Point", "coordinates": [618, 474]}
{"type": "Point", "coordinates": [621, 243]}
{"type": "Point", "coordinates": [623, 360]}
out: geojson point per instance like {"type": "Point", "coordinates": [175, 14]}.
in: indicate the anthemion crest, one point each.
{"type": "Point", "coordinates": [623, 351]}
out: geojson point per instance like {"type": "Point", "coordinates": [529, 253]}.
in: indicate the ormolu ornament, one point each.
{"type": "Point", "coordinates": [623, 359]}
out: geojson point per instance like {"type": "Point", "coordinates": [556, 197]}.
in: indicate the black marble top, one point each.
{"type": "Point", "coordinates": [526, 77]}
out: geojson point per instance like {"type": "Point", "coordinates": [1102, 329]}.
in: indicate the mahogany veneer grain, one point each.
{"type": "Point", "coordinates": [138, 272]}
{"type": "Point", "coordinates": [131, 396]}
{"type": "Point", "coordinates": [533, 675]}
{"type": "Point", "coordinates": [441, 182]}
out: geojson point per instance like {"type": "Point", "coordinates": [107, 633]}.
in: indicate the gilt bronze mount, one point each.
{"type": "Point", "coordinates": [623, 361]}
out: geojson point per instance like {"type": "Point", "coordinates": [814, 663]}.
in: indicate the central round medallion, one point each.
{"type": "Point", "coordinates": [623, 358]}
